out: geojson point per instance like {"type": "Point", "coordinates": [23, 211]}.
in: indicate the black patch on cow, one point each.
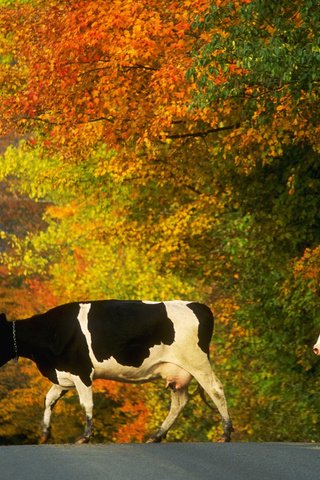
{"type": "Point", "coordinates": [126, 330]}
{"type": "Point", "coordinates": [206, 322]}
{"type": "Point", "coordinates": [7, 351]}
{"type": "Point", "coordinates": [54, 340]}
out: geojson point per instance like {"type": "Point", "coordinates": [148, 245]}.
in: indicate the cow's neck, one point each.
{"type": "Point", "coordinates": [27, 337]}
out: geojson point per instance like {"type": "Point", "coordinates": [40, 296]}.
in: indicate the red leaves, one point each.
{"type": "Point", "coordinates": [110, 62]}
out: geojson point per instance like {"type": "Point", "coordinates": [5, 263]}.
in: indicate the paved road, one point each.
{"type": "Point", "coordinates": [169, 461]}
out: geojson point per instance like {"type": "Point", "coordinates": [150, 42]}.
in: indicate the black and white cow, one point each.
{"type": "Point", "coordinates": [127, 341]}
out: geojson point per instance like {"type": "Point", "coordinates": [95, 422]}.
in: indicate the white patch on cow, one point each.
{"type": "Point", "coordinates": [316, 347]}
{"type": "Point", "coordinates": [83, 321]}
{"type": "Point", "coordinates": [85, 395]}
{"type": "Point", "coordinates": [52, 397]}
{"type": "Point", "coordinates": [186, 326]}
{"type": "Point", "coordinates": [65, 379]}
{"type": "Point", "coordinates": [68, 380]}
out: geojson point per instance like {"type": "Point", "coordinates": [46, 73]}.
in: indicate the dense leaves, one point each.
{"type": "Point", "coordinates": [263, 68]}
{"type": "Point", "coordinates": [171, 149]}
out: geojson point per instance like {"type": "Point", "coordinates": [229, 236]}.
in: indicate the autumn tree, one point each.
{"type": "Point", "coordinates": [97, 147]}
{"type": "Point", "coordinates": [177, 147]}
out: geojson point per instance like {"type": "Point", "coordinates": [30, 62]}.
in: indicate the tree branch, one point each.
{"type": "Point", "coordinates": [204, 133]}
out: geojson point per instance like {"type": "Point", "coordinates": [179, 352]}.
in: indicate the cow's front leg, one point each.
{"type": "Point", "coordinates": [86, 401]}
{"type": "Point", "coordinates": [53, 395]}
{"type": "Point", "coordinates": [88, 432]}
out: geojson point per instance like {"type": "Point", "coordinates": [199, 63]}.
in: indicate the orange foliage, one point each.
{"type": "Point", "coordinates": [133, 405]}
{"type": "Point", "coordinates": [308, 268]}
{"type": "Point", "coordinates": [138, 412]}
{"type": "Point", "coordinates": [99, 71]}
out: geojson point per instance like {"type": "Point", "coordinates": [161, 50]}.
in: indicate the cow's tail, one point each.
{"type": "Point", "coordinates": [201, 392]}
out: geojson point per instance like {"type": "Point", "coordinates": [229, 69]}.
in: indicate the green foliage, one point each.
{"type": "Point", "coordinates": [263, 67]}
{"type": "Point", "coordinates": [272, 47]}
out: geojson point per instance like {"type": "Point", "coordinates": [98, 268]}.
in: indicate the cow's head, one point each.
{"type": "Point", "coordinates": [316, 347]}
{"type": "Point", "coordinates": [6, 340]}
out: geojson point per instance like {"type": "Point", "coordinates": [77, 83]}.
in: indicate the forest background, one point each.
{"type": "Point", "coordinates": [159, 150]}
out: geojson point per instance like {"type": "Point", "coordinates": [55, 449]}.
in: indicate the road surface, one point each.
{"type": "Point", "coordinates": [168, 461]}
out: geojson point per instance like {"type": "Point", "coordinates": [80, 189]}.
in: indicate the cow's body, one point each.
{"type": "Point", "coordinates": [127, 341]}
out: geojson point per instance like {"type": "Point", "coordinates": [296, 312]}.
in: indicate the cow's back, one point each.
{"type": "Point", "coordinates": [126, 330]}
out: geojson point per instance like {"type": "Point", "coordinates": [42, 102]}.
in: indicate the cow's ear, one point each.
{"type": "Point", "coordinates": [3, 317]}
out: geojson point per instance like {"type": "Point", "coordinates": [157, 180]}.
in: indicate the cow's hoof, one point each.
{"type": "Point", "coordinates": [44, 437]}
{"type": "Point", "coordinates": [228, 429]}
{"type": "Point", "coordinates": [155, 438]}
{"type": "Point", "coordinates": [82, 440]}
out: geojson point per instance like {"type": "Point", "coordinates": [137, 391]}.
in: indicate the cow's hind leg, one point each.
{"type": "Point", "coordinates": [53, 395]}
{"type": "Point", "coordinates": [179, 398]}
{"type": "Point", "coordinates": [213, 387]}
